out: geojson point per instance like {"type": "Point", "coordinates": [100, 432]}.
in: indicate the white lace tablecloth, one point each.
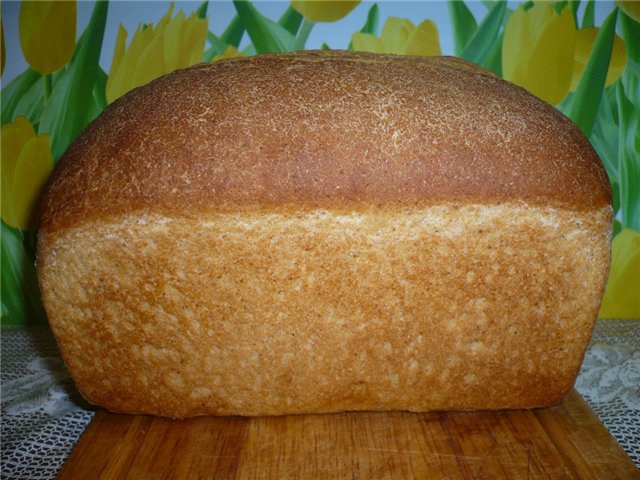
{"type": "Point", "coordinates": [43, 416]}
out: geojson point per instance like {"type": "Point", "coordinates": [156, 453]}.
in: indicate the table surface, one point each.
{"type": "Point", "coordinates": [43, 416]}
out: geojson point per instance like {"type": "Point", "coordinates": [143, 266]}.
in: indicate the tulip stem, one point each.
{"type": "Point", "coordinates": [305, 30]}
{"type": "Point", "coordinates": [47, 86]}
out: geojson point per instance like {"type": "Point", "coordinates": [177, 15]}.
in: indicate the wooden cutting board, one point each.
{"type": "Point", "coordinates": [567, 441]}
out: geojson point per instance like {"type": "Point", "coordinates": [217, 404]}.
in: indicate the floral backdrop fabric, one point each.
{"type": "Point", "coordinates": [586, 66]}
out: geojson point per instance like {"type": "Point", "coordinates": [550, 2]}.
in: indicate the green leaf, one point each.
{"type": "Point", "coordinates": [201, 12]}
{"type": "Point", "coordinates": [617, 228]}
{"type": "Point", "coordinates": [324, 46]}
{"type": "Point", "coordinates": [14, 92]}
{"type": "Point", "coordinates": [66, 113]}
{"type": "Point", "coordinates": [31, 104]}
{"type": "Point", "coordinates": [585, 102]}
{"type": "Point", "coordinates": [21, 304]}
{"type": "Point", "coordinates": [611, 98]}
{"type": "Point", "coordinates": [631, 81]}
{"type": "Point", "coordinates": [371, 24]}
{"type": "Point", "coordinates": [232, 35]}
{"type": "Point", "coordinates": [630, 32]}
{"type": "Point", "coordinates": [208, 55]}
{"type": "Point", "coordinates": [604, 137]}
{"type": "Point", "coordinates": [588, 17]}
{"type": "Point", "coordinates": [629, 148]}
{"type": "Point", "coordinates": [573, 8]}
{"type": "Point", "coordinates": [249, 50]}
{"type": "Point", "coordinates": [266, 35]}
{"type": "Point", "coordinates": [305, 30]}
{"type": "Point", "coordinates": [98, 95]}
{"type": "Point", "coordinates": [373, 18]}
{"type": "Point", "coordinates": [559, 6]}
{"type": "Point", "coordinates": [615, 196]}
{"type": "Point", "coordinates": [216, 42]}
{"type": "Point", "coordinates": [463, 23]}
{"type": "Point", "coordinates": [493, 59]}
{"type": "Point", "coordinates": [291, 20]}
{"type": "Point", "coordinates": [217, 47]}
{"type": "Point", "coordinates": [486, 35]}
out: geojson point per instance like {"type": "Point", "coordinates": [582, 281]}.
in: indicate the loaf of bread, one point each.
{"type": "Point", "coordinates": [325, 231]}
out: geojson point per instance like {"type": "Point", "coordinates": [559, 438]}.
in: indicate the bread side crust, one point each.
{"type": "Point", "coordinates": [327, 131]}
{"type": "Point", "coordinates": [445, 307]}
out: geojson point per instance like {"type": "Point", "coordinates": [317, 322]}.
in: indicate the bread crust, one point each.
{"type": "Point", "coordinates": [324, 130]}
{"type": "Point", "coordinates": [317, 232]}
{"type": "Point", "coordinates": [449, 307]}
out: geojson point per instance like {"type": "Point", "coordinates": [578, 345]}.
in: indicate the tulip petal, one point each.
{"type": "Point", "coordinates": [30, 24]}
{"type": "Point", "coordinates": [538, 50]}
{"type": "Point", "coordinates": [424, 40]}
{"type": "Point", "coordinates": [150, 63]}
{"type": "Point", "coordinates": [171, 34]}
{"type": "Point", "coordinates": [64, 17]}
{"type": "Point", "coordinates": [585, 39]}
{"type": "Point", "coordinates": [631, 8]}
{"type": "Point", "coordinates": [26, 165]}
{"type": "Point", "coordinates": [621, 299]}
{"type": "Point", "coordinates": [11, 146]}
{"type": "Point", "coordinates": [14, 137]}
{"type": "Point", "coordinates": [194, 37]}
{"type": "Point", "coordinates": [395, 34]}
{"type": "Point", "coordinates": [114, 81]}
{"type": "Point", "coordinates": [364, 42]}
{"type": "Point", "coordinates": [139, 49]}
{"type": "Point", "coordinates": [32, 171]}
{"type": "Point", "coordinates": [47, 33]}
{"type": "Point", "coordinates": [173, 43]}
{"type": "Point", "coordinates": [399, 36]}
{"type": "Point", "coordinates": [516, 30]}
{"type": "Point", "coordinates": [324, 11]}
{"type": "Point", "coordinates": [230, 52]}
{"type": "Point", "coordinates": [127, 75]}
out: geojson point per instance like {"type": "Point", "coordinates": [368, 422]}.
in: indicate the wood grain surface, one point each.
{"type": "Point", "coordinates": [566, 441]}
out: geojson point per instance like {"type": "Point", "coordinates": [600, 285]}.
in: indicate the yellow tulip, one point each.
{"type": "Point", "coordinates": [537, 51]}
{"type": "Point", "coordinates": [621, 299]}
{"type": "Point", "coordinates": [324, 11]}
{"type": "Point", "coordinates": [585, 39]}
{"type": "Point", "coordinates": [26, 166]}
{"type": "Point", "coordinates": [230, 52]}
{"type": "Point", "coordinates": [631, 8]}
{"type": "Point", "coordinates": [47, 33]}
{"type": "Point", "coordinates": [153, 52]}
{"type": "Point", "coordinates": [401, 37]}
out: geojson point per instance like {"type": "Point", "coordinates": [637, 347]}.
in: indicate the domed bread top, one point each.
{"type": "Point", "coordinates": [324, 129]}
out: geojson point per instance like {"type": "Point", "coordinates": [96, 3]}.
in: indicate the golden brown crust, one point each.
{"type": "Point", "coordinates": [268, 313]}
{"type": "Point", "coordinates": [324, 130]}
{"type": "Point", "coordinates": [318, 232]}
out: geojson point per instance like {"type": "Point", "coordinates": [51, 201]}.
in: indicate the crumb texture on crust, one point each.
{"type": "Point", "coordinates": [468, 306]}
{"type": "Point", "coordinates": [324, 130]}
